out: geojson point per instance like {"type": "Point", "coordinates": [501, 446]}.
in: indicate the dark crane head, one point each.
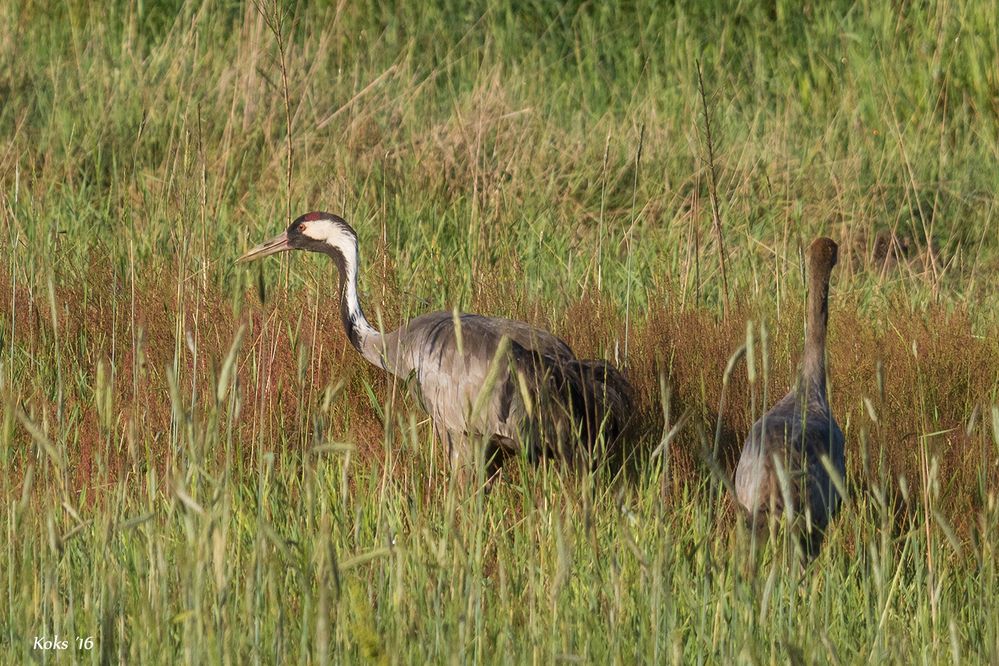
{"type": "Point", "coordinates": [315, 232]}
{"type": "Point", "coordinates": [822, 255]}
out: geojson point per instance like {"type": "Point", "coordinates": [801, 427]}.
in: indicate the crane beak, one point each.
{"type": "Point", "coordinates": [277, 244]}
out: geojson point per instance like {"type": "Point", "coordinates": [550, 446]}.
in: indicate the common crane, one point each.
{"type": "Point", "coordinates": [781, 460]}
{"type": "Point", "coordinates": [486, 381]}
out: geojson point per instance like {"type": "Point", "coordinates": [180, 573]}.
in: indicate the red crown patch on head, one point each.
{"type": "Point", "coordinates": [312, 217]}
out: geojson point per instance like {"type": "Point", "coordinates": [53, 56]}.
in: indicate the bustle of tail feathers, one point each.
{"type": "Point", "coordinates": [590, 397]}
{"type": "Point", "coordinates": [607, 388]}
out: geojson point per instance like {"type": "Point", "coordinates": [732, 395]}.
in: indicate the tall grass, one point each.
{"type": "Point", "coordinates": [196, 466]}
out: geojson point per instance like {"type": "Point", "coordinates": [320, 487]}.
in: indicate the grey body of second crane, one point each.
{"type": "Point", "coordinates": [781, 467]}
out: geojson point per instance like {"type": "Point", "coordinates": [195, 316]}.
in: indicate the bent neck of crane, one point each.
{"type": "Point", "coordinates": [361, 334]}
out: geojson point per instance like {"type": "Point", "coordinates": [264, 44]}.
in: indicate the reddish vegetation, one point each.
{"type": "Point", "coordinates": [935, 372]}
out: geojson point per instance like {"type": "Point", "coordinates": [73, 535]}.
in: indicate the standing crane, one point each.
{"type": "Point", "coordinates": [485, 381]}
{"type": "Point", "coordinates": [781, 467]}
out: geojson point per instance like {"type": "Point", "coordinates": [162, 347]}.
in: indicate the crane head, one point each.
{"type": "Point", "coordinates": [315, 232]}
{"type": "Point", "coordinates": [822, 253]}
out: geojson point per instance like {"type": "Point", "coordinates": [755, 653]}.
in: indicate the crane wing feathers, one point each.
{"type": "Point", "coordinates": [568, 402]}
{"type": "Point", "coordinates": [476, 328]}
{"type": "Point", "coordinates": [589, 403]}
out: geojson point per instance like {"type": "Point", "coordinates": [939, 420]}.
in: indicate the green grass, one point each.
{"type": "Point", "coordinates": [196, 466]}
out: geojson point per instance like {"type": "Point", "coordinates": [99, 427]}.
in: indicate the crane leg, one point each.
{"type": "Point", "coordinates": [461, 455]}
{"type": "Point", "coordinates": [465, 461]}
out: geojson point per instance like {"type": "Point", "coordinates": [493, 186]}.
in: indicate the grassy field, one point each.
{"type": "Point", "coordinates": [196, 466]}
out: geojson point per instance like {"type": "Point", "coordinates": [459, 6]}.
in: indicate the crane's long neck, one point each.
{"type": "Point", "coordinates": [363, 336]}
{"type": "Point", "coordinates": [813, 360]}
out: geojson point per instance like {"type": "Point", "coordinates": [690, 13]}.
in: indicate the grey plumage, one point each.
{"type": "Point", "coordinates": [781, 467]}
{"type": "Point", "coordinates": [535, 396]}
{"type": "Point", "coordinates": [486, 380]}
